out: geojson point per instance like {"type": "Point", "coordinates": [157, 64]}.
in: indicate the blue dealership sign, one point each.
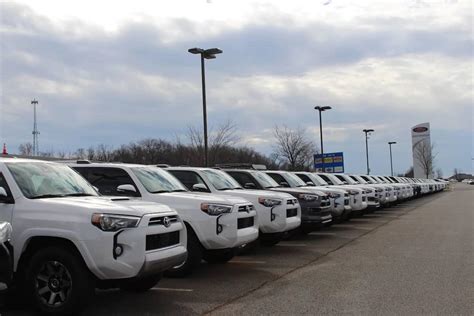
{"type": "Point", "coordinates": [333, 163]}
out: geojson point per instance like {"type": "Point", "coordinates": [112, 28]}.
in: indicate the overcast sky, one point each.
{"type": "Point", "coordinates": [118, 71]}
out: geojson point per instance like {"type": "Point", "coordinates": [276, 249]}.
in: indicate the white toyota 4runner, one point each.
{"type": "Point", "coordinates": [216, 224]}
{"type": "Point", "coordinates": [277, 212]}
{"type": "Point", "coordinates": [67, 240]}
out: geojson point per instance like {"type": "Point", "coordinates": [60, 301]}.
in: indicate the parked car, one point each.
{"type": "Point", "coordinates": [314, 207]}
{"type": "Point", "coordinates": [217, 225]}
{"type": "Point", "coordinates": [373, 194]}
{"type": "Point", "coordinates": [68, 240]}
{"type": "Point", "coordinates": [340, 198]}
{"type": "Point", "coordinates": [277, 212]}
{"type": "Point", "coordinates": [6, 249]}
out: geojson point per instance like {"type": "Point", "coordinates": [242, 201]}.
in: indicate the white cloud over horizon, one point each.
{"type": "Point", "coordinates": [117, 73]}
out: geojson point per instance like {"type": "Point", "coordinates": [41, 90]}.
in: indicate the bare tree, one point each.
{"type": "Point", "coordinates": [456, 174]}
{"type": "Point", "coordinates": [26, 149]}
{"type": "Point", "coordinates": [439, 173]}
{"type": "Point", "coordinates": [293, 148]}
{"type": "Point", "coordinates": [425, 156]}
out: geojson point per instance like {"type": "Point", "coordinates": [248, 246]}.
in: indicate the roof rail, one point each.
{"type": "Point", "coordinates": [241, 166]}
{"type": "Point", "coordinates": [83, 162]}
{"type": "Point", "coordinates": [162, 165]}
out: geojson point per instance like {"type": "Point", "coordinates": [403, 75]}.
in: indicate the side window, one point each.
{"type": "Point", "coordinates": [4, 184]}
{"type": "Point", "coordinates": [188, 178]}
{"type": "Point", "coordinates": [108, 179]}
{"type": "Point", "coordinates": [305, 178]}
{"type": "Point", "coordinates": [243, 178]}
{"type": "Point", "coordinates": [325, 178]}
{"type": "Point", "coordinates": [278, 178]}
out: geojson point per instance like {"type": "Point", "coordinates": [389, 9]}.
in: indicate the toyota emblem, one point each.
{"type": "Point", "coordinates": [166, 221]}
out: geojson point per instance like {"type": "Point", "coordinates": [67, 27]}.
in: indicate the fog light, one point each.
{"type": "Point", "coordinates": [118, 250]}
{"type": "Point", "coordinates": [219, 229]}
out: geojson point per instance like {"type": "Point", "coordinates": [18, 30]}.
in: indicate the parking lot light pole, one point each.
{"type": "Point", "coordinates": [367, 132]}
{"type": "Point", "coordinates": [205, 54]}
{"type": "Point", "coordinates": [321, 109]}
{"type": "Point", "coordinates": [391, 161]}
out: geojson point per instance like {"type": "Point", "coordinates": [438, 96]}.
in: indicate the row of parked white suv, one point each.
{"type": "Point", "coordinates": [74, 227]}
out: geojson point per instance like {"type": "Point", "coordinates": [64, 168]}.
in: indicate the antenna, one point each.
{"type": "Point", "coordinates": [35, 130]}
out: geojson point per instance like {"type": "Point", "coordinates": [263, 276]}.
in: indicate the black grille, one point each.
{"type": "Point", "coordinates": [364, 199]}
{"type": "Point", "coordinates": [246, 208]}
{"type": "Point", "coordinates": [162, 240]}
{"type": "Point", "coordinates": [325, 213]}
{"type": "Point", "coordinates": [346, 201]}
{"type": "Point", "coordinates": [159, 220]}
{"type": "Point", "coordinates": [292, 212]}
{"type": "Point", "coordinates": [245, 222]}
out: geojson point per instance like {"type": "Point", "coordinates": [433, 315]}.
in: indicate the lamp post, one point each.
{"type": "Point", "coordinates": [205, 54]}
{"type": "Point", "coordinates": [35, 129]}
{"type": "Point", "coordinates": [367, 132]}
{"type": "Point", "coordinates": [391, 161]}
{"type": "Point", "coordinates": [321, 109]}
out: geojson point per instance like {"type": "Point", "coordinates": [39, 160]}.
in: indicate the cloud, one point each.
{"type": "Point", "coordinates": [387, 71]}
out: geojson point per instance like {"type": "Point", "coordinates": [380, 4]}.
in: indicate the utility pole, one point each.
{"type": "Point", "coordinates": [35, 130]}
{"type": "Point", "coordinates": [367, 132]}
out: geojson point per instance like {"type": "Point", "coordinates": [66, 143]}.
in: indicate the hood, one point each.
{"type": "Point", "coordinates": [203, 197]}
{"type": "Point", "coordinates": [259, 193]}
{"type": "Point", "coordinates": [295, 191]}
{"type": "Point", "coordinates": [103, 204]}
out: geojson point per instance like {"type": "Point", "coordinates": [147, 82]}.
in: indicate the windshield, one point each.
{"type": "Point", "coordinates": [264, 180]}
{"type": "Point", "coordinates": [221, 180]}
{"type": "Point", "coordinates": [156, 180]}
{"type": "Point", "coordinates": [41, 180]}
{"type": "Point", "coordinates": [317, 178]}
{"type": "Point", "coordinates": [294, 181]}
{"type": "Point", "coordinates": [334, 179]}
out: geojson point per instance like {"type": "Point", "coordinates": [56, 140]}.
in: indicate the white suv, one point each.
{"type": "Point", "coordinates": [67, 239]}
{"type": "Point", "coordinates": [277, 212]}
{"type": "Point", "coordinates": [216, 224]}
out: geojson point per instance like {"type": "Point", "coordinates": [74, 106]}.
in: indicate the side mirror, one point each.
{"type": "Point", "coordinates": [4, 198]}
{"type": "Point", "coordinates": [310, 183]}
{"type": "Point", "coordinates": [126, 188]}
{"type": "Point", "coordinates": [250, 185]}
{"type": "Point", "coordinates": [200, 187]}
{"type": "Point", "coordinates": [284, 184]}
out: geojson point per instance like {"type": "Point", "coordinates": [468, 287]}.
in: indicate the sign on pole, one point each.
{"type": "Point", "coordinates": [333, 162]}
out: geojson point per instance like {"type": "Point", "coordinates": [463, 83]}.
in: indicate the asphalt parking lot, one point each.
{"type": "Point", "coordinates": [414, 258]}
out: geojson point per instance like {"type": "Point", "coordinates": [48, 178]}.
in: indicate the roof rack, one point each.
{"type": "Point", "coordinates": [83, 162]}
{"type": "Point", "coordinates": [241, 166]}
{"type": "Point", "coordinates": [162, 165]}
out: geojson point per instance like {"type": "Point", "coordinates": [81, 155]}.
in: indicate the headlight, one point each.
{"type": "Point", "coordinates": [335, 195]}
{"type": "Point", "coordinates": [215, 209]}
{"type": "Point", "coordinates": [112, 223]}
{"type": "Point", "coordinates": [353, 192]}
{"type": "Point", "coordinates": [268, 202]}
{"type": "Point", "coordinates": [308, 197]}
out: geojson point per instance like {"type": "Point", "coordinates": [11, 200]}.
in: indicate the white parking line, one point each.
{"type": "Point", "coordinates": [249, 262]}
{"type": "Point", "coordinates": [281, 244]}
{"type": "Point", "coordinates": [171, 289]}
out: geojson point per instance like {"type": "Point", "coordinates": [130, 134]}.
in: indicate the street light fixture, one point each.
{"type": "Point", "coordinates": [391, 162]}
{"type": "Point", "coordinates": [321, 109]}
{"type": "Point", "coordinates": [367, 132]}
{"type": "Point", "coordinates": [205, 54]}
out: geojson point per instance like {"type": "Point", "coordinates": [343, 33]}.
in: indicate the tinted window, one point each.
{"type": "Point", "coordinates": [243, 178]}
{"type": "Point", "coordinates": [278, 178]}
{"type": "Point", "coordinates": [325, 178]}
{"type": "Point", "coordinates": [106, 180]}
{"type": "Point", "coordinates": [305, 178]}
{"type": "Point", "coordinates": [188, 178]}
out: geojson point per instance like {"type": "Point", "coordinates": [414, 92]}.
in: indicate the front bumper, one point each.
{"type": "Point", "coordinates": [279, 219]}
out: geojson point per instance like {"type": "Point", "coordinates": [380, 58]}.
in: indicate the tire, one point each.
{"type": "Point", "coordinates": [192, 261]}
{"type": "Point", "coordinates": [58, 282]}
{"type": "Point", "coordinates": [219, 256]}
{"type": "Point", "coordinates": [140, 284]}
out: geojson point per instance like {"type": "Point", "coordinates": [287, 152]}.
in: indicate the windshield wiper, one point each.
{"type": "Point", "coordinates": [160, 191]}
{"type": "Point", "coordinates": [45, 196]}
{"type": "Point", "coordinates": [225, 189]}
{"type": "Point", "coordinates": [79, 194]}
{"type": "Point", "coordinates": [177, 190]}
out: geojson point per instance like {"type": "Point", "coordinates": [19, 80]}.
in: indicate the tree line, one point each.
{"type": "Point", "coordinates": [292, 150]}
